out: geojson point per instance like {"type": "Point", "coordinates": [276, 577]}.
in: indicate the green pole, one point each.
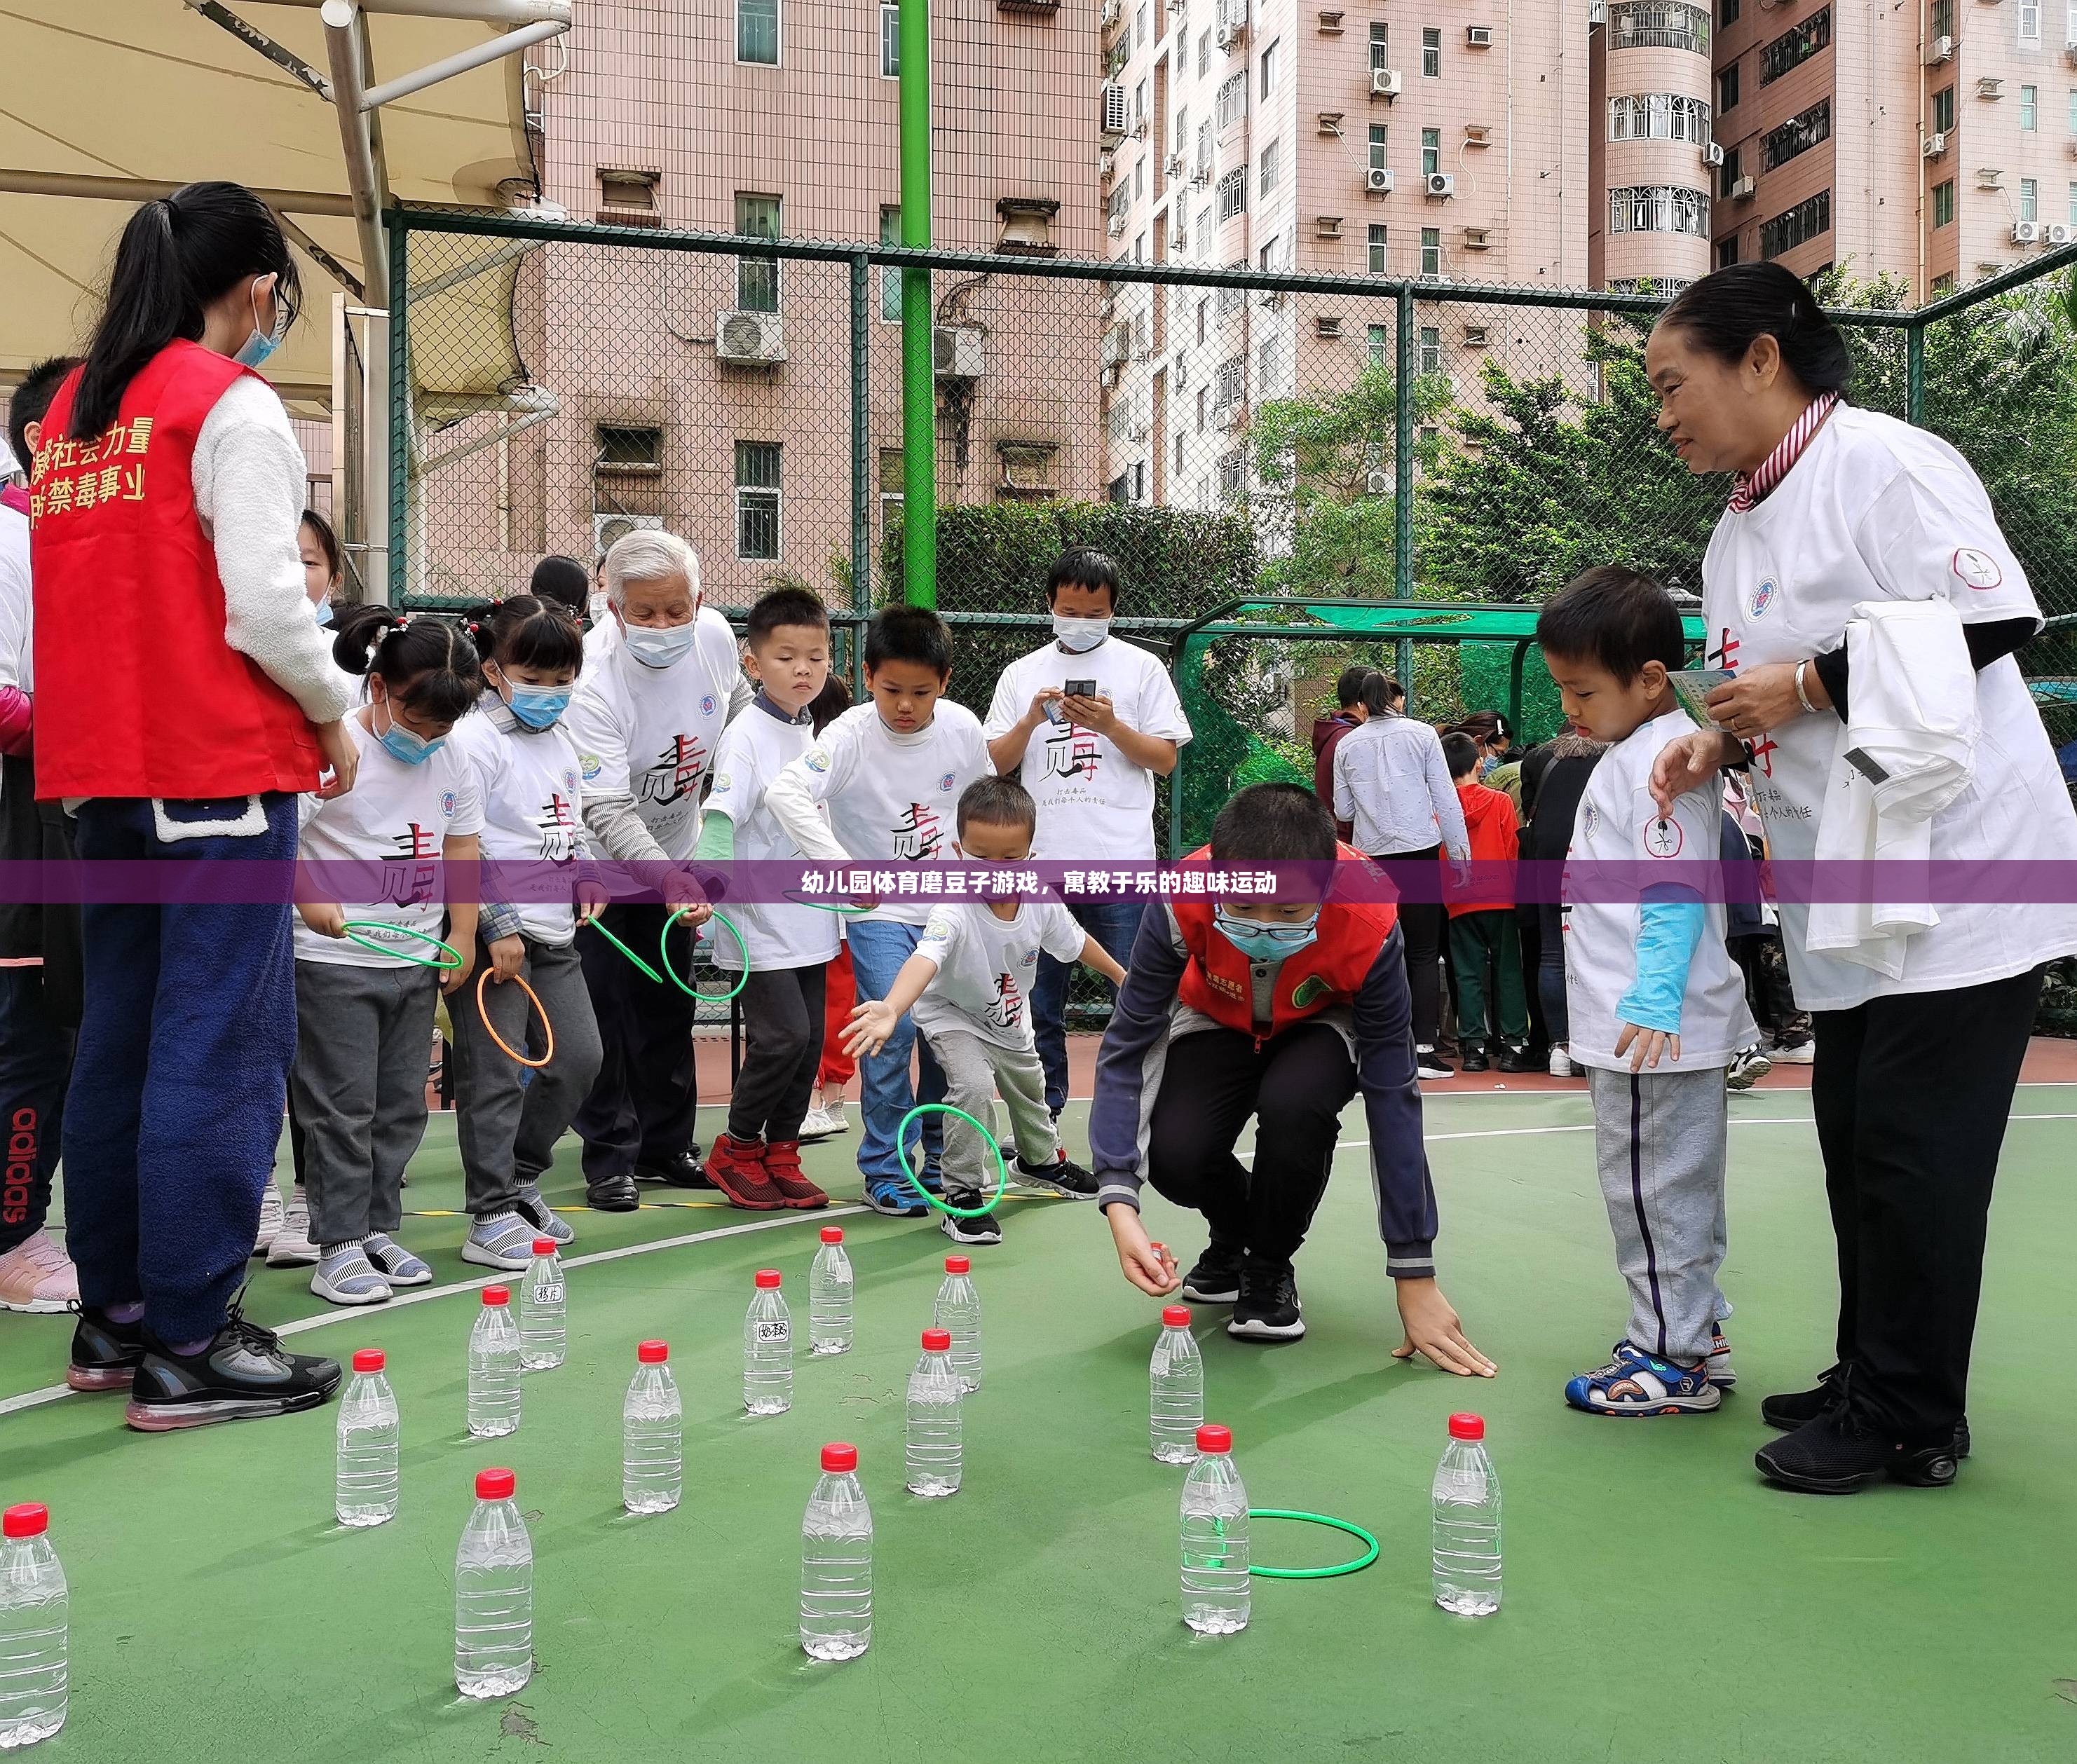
{"type": "Point", "coordinates": [1914, 373]}
{"type": "Point", "coordinates": [861, 459]}
{"type": "Point", "coordinates": [400, 409]}
{"type": "Point", "coordinates": [919, 388]}
{"type": "Point", "coordinates": [1402, 483]}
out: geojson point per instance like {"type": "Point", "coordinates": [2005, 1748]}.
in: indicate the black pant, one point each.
{"type": "Point", "coordinates": [1424, 924]}
{"type": "Point", "coordinates": [1297, 1084]}
{"type": "Point", "coordinates": [1769, 994]}
{"type": "Point", "coordinates": [782, 1021]}
{"type": "Point", "coordinates": [642, 1109]}
{"type": "Point", "coordinates": [1908, 1166]}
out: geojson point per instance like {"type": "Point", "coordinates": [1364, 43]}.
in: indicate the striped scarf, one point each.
{"type": "Point", "coordinates": [1748, 490]}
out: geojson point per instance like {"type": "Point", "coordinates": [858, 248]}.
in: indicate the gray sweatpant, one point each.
{"type": "Point", "coordinates": [507, 1122]}
{"type": "Point", "coordinates": [974, 1069]}
{"type": "Point", "coordinates": [1659, 1141]}
{"type": "Point", "coordinates": [363, 1044]}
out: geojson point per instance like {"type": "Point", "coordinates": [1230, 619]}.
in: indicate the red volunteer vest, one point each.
{"type": "Point", "coordinates": [1329, 971]}
{"type": "Point", "coordinates": [137, 692]}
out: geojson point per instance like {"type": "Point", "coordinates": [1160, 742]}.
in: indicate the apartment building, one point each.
{"type": "Point", "coordinates": [1653, 149]}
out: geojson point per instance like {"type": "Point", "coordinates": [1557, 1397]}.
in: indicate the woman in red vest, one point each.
{"type": "Point", "coordinates": [185, 697]}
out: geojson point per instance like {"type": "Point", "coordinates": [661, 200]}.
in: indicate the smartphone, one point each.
{"type": "Point", "coordinates": [1693, 685]}
{"type": "Point", "coordinates": [1080, 689]}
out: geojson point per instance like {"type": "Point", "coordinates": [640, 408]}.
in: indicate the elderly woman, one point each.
{"type": "Point", "coordinates": [648, 712]}
{"type": "Point", "coordinates": [1833, 507]}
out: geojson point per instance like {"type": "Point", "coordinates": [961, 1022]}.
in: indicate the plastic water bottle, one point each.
{"type": "Point", "coordinates": [652, 1465]}
{"type": "Point", "coordinates": [493, 1367]}
{"type": "Point", "coordinates": [543, 1322]}
{"type": "Point", "coordinates": [934, 1419]}
{"type": "Point", "coordinates": [768, 1350]}
{"type": "Point", "coordinates": [493, 1593]}
{"type": "Point", "coordinates": [1466, 1532]}
{"type": "Point", "coordinates": [36, 1620]}
{"type": "Point", "coordinates": [369, 1431]}
{"type": "Point", "coordinates": [829, 1296]}
{"type": "Point", "coordinates": [836, 1563]}
{"type": "Point", "coordinates": [959, 1311]}
{"type": "Point", "coordinates": [1175, 1390]}
{"type": "Point", "coordinates": [1215, 1592]}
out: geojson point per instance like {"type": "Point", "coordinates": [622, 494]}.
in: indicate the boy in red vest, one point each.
{"type": "Point", "coordinates": [1485, 947]}
{"type": "Point", "coordinates": [1279, 1011]}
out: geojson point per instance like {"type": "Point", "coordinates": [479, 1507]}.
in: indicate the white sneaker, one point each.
{"type": "Point", "coordinates": [1561, 1063]}
{"type": "Point", "coordinates": [1802, 1053]}
{"type": "Point", "coordinates": [834, 1113]}
{"type": "Point", "coordinates": [345, 1275]}
{"type": "Point", "coordinates": [37, 1277]}
{"type": "Point", "coordinates": [292, 1247]}
{"type": "Point", "coordinates": [815, 1125]}
{"type": "Point", "coordinates": [1748, 1066]}
{"type": "Point", "coordinates": [503, 1241]}
{"type": "Point", "coordinates": [270, 1218]}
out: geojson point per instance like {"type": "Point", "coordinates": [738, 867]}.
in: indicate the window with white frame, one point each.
{"type": "Point", "coordinates": [1377, 249]}
{"type": "Point", "coordinates": [1658, 116]}
{"type": "Point", "coordinates": [1660, 208]}
{"type": "Point", "coordinates": [1233, 195]}
{"type": "Point", "coordinates": [757, 465]}
{"type": "Point", "coordinates": [1431, 53]}
{"type": "Point", "coordinates": [1233, 476]}
{"type": "Point", "coordinates": [1204, 54]}
{"type": "Point", "coordinates": [1431, 251]}
{"type": "Point", "coordinates": [1269, 60]}
{"type": "Point", "coordinates": [890, 280]}
{"type": "Point", "coordinates": [2073, 205]}
{"type": "Point", "coordinates": [1201, 409]}
{"type": "Point", "coordinates": [1204, 148]}
{"type": "Point", "coordinates": [1377, 344]}
{"type": "Point", "coordinates": [890, 39]}
{"type": "Point", "coordinates": [1272, 156]}
{"type": "Point", "coordinates": [1381, 140]}
{"type": "Point", "coordinates": [1381, 47]}
{"type": "Point", "coordinates": [2029, 198]}
{"type": "Point", "coordinates": [2030, 108]}
{"type": "Point", "coordinates": [891, 484]}
{"type": "Point", "coordinates": [1232, 103]}
{"type": "Point", "coordinates": [757, 31]}
{"type": "Point", "coordinates": [2029, 21]}
{"type": "Point", "coordinates": [1659, 24]}
{"type": "Point", "coordinates": [756, 278]}
{"type": "Point", "coordinates": [1431, 350]}
{"type": "Point", "coordinates": [1143, 27]}
{"type": "Point", "coordinates": [1431, 152]}
{"type": "Point", "coordinates": [1233, 383]}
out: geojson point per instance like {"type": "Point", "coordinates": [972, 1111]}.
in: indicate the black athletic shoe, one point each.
{"type": "Point", "coordinates": [685, 1171]}
{"type": "Point", "coordinates": [1514, 1059]}
{"type": "Point", "coordinates": [1797, 1409]}
{"type": "Point", "coordinates": [984, 1229]}
{"type": "Point", "coordinates": [612, 1194]}
{"type": "Point", "coordinates": [1063, 1175]}
{"type": "Point", "coordinates": [104, 1353]}
{"type": "Point", "coordinates": [1216, 1279]}
{"type": "Point", "coordinates": [1474, 1059]}
{"type": "Point", "coordinates": [1838, 1453]}
{"type": "Point", "coordinates": [1428, 1063]}
{"type": "Point", "coordinates": [242, 1374]}
{"type": "Point", "coordinates": [1268, 1308]}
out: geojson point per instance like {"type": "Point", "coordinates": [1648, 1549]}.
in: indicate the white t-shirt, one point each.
{"type": "Point", "coordinates": [528, 782]}
{"type": "Point", "coordinates": [757, 747]}
{"type": "Point", "coordinates": [986, 967]}
{"type": "Point", "coordinates": [1618, 823]}
{"type": "Point", "coordinates": [892, 799]}
{"type": "Point", "coordinates": [650, 733]}
{"type": "Point", "coordinates": [1876, 509]}
{"type": "Point", "coordinates": [400, 815]}
{"type": "Point", "coordinates": [1092, 801]}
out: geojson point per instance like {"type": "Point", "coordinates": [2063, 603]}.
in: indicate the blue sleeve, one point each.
{"type": "Point", "coordinates": [1406, 1217]}
{"type": "Point", "coordinates": [1670, 920]}
{"type": "Point", "coordinates": [1130, 1061]}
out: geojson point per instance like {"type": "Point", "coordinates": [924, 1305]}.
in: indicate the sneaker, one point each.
{"type": "Point", "coordinates": [1797, 1409]}
{"type": "Point", "coordinates": [1513, 1059]}
{"type": "Point", "coordinates": [782, 1165]}
{"type": "Point", "coordinates": [1216, 1279]}
{"type": "Point", "coordinates": [1637, 1383]}
{"type": "Point", "coordinates": [1801, 1053]}
{"type": "Point", "coordinates": [1063, 1175]}
{"type": "Point", "coordinates": [104, 1353]}
{"type": "Point", "coordinates": [292, 1247]}
{"type": "Point", "coordinates": [1839, 1454]}
{"type": "Point", "coordinates": [1748, 1066]}
{"type": "Point", "coordinates": [833, 1113]}
{"type": "Point", "coordinates": [1722, 1374]}
{"type": "Point", "coordinates": [345, 1275]}
{"type": "Point", "coordinates": [271, 1216]}
{"type": "Point", "coordinates": [37, 1277]}
{"type": "Point", "coordinates": [502, 1240]}
{"type": "Point", "coordinates": [736, 1166]}
{"type": "Point", "coordinates": [984, 1229]}
{"type": "Point", "coordinates": [544, 1218]}
{"type": "Point", "coordinates": [1428, 1063]}
{"type": "Point", "coordinates": [395, 1263]}
{"type": "Point", "coordinates": [241, 1373]}
{"type": "Point", "coordinates": [893, 1197]}
{"type": "Point", "coordinates": [684, 1170]}
{"type": "Point", "coordinates": [1561, 1063]}
{"type": "Point", "coordinates": [816, 1124]}
{"type": "Point", "coordinates": [1474, 1059]}
{"type": "Point", "coordinates": [1268, 1308]}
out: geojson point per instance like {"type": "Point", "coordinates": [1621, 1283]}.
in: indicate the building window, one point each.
{"type": "Point", "coordinates": [1660, 208]}
{"type": "Point", "coordinates": [1269, 71]}
{"type": "Point", "coordinates": [2073, 108]}
{"type": "Point", "coordinates": [1272, 155]}
{"type": "Point", "coordinates": [1659, 24]}
{"type": "Point", "coordinates": [1380, 142]}
{"type": "Point", "coordinates": [1808, 220]}
{"type": "Point", "coordinates": [890, 280]}
{"type": "Point", "coordinates": [1376, 255]}
{"type": "Point", "coordinates": [1431, 349]}
{"type": "Point", "coordinates": [1943, 203]}
{"type": "Point", "coordinates": [1944, 283]}
{"type": "Point", "coordinates": [1431, 152]}
{"type": "Point", "coordinates": [2029, 21]}
{"type": "Point", "coordinates": [1377, 341]}
{"type": "Point", "coordinates": [626, 450]}
{"type": "Point", "coordinates": [757, 278]}
{"type": "Point", "coordinates": [1942, 18]}
{"type": "Point", "coordinates": [1381, 47]}
{"type": "Point", "coordinates": [1143, 27]}
{"type": "Point", "coordinates": [1431, 53]}
{"type": "Point", "coordinates": [1233, 475]}
{"type": "Point", "coordinates": [1139, 248]}
{"type": "Point", "coordinates": [1658, 116]}
{"type": "Point", "coordinates": [1727, 252]}
{"type": "Point", "coordinates": [2029, 198]}
{"type": "Point", "coordinates": [1727, 89]}
{"type": "Point", "coordinates": [1201, 409]}
{"type": "Point", "coordinates": [1266, 379]}
{"type": "Point", "coordinates": [757, 501]}
{"type": "Point", "coordinates": [1203, 318]}
{"type": "Point", "coordinates": [1233, 384]}
{"type": "Point", "coordinates": [1431, 251]}
{"type": "Point", "coordinates": [1233, 195]}
{"type": "Point", "coordinates": [1727, 173]}
{"type": "Point", "coordinates": [1796, 136]}
{"type": "Point", "coordinates": [2030, 107]}
{"type": "Point", "coordinates": [890, 39]}
{"type": "Point", "coordinates": [1204, 148]}
{"type": "Point", "coordinates": [757, 31]}
{"type": "Point", "coordinates": [1943, 111]}
{"type": "Point", "coordinates": [1796, 45]}
{"type": "Point", "coordinates": [890, 483]}
{"type": "Point", "coordinates": [2073, 205]}
{"type": "Point", "coordinates": [1118, 205]}
{"type": "Point", "coordinates": [1205, 53]}
{"type": "Point", "coordinates": [1232, 101]}
{"type": "Point", "coordinates": [1727, 13]}
{"type": "Point", "coordinates": [628, 198]}
{"type": "Point", "coordinates": [1139, 178]}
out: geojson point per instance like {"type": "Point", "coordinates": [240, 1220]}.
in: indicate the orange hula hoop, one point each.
{"type": "Point", "coordinates": [547, 1028]}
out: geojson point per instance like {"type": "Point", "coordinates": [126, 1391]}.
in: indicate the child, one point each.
{"type": "Point", "coordinates": [969, 985]}
{"type": "Point", "coordinates": [509, 1117]}
{"type": "Point", "coordinates": [324, 566]}
{"type": "Point", "coordinates": [1647, 980]}
{"type": "Point", "coordinates": [365, 1016]}
{"type": "Point", "coordinates": [788, 948]}
{"type": "Point", "coordinates": [1484, 940]}
{"type": "Point", "coordinates": [1279, 1011]}
{"type": "Point", "coordinates": [891, 771]}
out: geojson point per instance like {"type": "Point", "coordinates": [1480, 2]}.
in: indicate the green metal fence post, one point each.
{"type": "Point", "coordinates": [400, 406]}
{"type": "Point", "coordinates": [1914, 371]}
{"type": "Point", "coordinates": [861, 484]}
{"type": "Point", "coordinates": [1402, 481]}
{"type": "Point", "coordinates": [919, 387]}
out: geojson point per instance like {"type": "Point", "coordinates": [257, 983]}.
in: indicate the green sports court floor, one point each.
{"type": "Point", "coordinates": [1661, 1603]}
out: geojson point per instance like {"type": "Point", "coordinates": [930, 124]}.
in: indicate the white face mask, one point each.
{"type": "Point", "coordinates": [1075, 635]}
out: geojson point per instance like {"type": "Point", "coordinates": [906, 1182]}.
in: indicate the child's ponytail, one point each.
{"type": "Point", "coordinates": [429, 664]}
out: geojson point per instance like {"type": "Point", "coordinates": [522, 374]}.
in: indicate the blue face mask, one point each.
{"type": "Point", "coordinates": [538, 707]}
{"type": "Point", "coordinates": [1261, 942]}
{"type": "Point", "coordinates": [405, 746]}
{"type": "Point", "coordinates": [323, 614]}
{"type": "Point", "coordinates": [257, 348]}
{"type": "Point", "coordinates": [655, 648]}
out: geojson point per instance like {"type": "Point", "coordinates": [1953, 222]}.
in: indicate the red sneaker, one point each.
{"type": "Point", "coordinates": [782, 1164]}
{"type": "Point", "coordinates": [736, 1166]}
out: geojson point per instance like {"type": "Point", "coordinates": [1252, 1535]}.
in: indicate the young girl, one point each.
{"type": "Point", "coordinates": [365, 1015]}
{"type": "Point", "coordinates": [509, 1118]}
{"type": "Point", "coordinates": [324, 564]}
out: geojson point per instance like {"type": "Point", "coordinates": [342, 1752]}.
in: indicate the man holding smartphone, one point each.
{"type": "Point", "coordinates": [1087, 723]}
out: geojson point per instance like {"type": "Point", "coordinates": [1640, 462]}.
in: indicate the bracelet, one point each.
{"type": "Point", "coordinates": [1803, 697]}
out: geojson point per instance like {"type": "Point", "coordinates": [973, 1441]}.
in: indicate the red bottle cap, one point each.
{"type": "Point", "coordinates": [1467, 1427]}
{"type": "Point", "coordinates": [653, 1353]}
{"type": "Point", "coordinates": [957, 1264]}
{"type": "Point", "coordinates": [544, 1247]}
{"type": "Point", "coordinates": [494, 1484]}
{"type": "Point", "coordinates": [368, 1359]}
{"type": "Point", "coordinates": [937, 1341]}
{"type": "Point", "coordinates": [1176, 1317]}
{"type": "Point", "coordinates": [839, 1459]}
{"type": "Point", "coordinates": [832, 1233]}
{"type": "Point", "coordinates": [1158, 1248]}
{"type": "Point", "coordinates": [496, 1295]}
{"type": "Point", "coordinates": [1214, 1439]}
{"type": "Point", "coordinates": [767, 1279]}
{"type": "Point", "coordinates": [29, 1522]}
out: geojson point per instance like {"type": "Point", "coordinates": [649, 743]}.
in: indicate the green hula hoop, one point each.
{"type": "Point", "coordinates": [353, 927]}
{"type": "Point", "coordinates": [663, 949]}
{"type": "Point", "coordinates": [1355, 1566]}
{"type": "Point", "coordinates": [599, 927]}
{"type": "Point", "coordinates": [902, 1152]}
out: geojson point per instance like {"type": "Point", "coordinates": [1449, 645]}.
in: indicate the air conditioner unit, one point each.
{"type": "Point", "coordinates": [1115, 110]}
{"type": "Point", "coordinates": [1116, 226]}
{"type": "Point", "coordinates": [2026, 232]}
{"type": "Point", "coordinates": [1475, 336]}
{"type": "Point", "coordinates": [1478, 239]}
{"type": "Point", "coordinates": [1140, 128]}
{"type": "Point", "coordinates": [606, 528]}
{"type": "Point", "coordinates": [1110, 376]}
{"type": "Point", "coordinates": [1177, 239]}
{"type": "Point", "coordinates": [1378, 181]}
{"type": "Point", "coordinates": [1227, 36]}
{"type": "Point", "coordinates": [1112, 12]}
{"type": "Point", "coordinates": [1180, 374]}
{"type": "Point", "coordinates": [1936, 144]}
{"type": "Point", "coordinates": [1386, 82]}
{"type": "Point", "coordinates": [958, 351]}
{"type": "Point", "coordinates": [1440, 184]}
{"type": "Point", "coordinates": [1117, 344]}
{"type": "Point", "coordinates": [1943, 50]}
{"type": "Point", "coordinates": [1377, 482]}
{"type": "Point", "coordinates": [1478, 36]}
{"type": "Point", "coordinates": [1106, 163]}
{"type": "Point", "coordinates": [2070, 55]}
{"type": "Point", "coordinates": [753, 338]}
{"type": "Point", "coordinates": [1232, 416]}
{"type": "Point", "coordinates": [1741, 189]}
{"type": "Point", "coordinates": [1712, 154]}
{"type": "Point", "coordinates": [1140, 432]}
{"type": "Point", "coordinates": [1989, 86]}
{"type": "Point", "coordinates": [2059, 234]}
{"type": "Point", "coordinates": [1273, 298]}
{"type": "Point", "coordinates": [1327, 325]}
{"type": "Point", "coordinates": [1202, 176]}
{"type": "Point", "coordinates": [1176, 164]}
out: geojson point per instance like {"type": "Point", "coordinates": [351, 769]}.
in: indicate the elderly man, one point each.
{"type": "Point", "coordinates": [646, 716]}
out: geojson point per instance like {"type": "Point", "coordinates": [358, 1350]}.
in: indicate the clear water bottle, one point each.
{"type": "Point", "coordinates": [959, 1311]}
{"type": "Point", "coordinates": [652, 1464]}
{"type": "Point", "coordinates": [543, 1322]}
{"type": "Point", "coordinates": [934, 1419]}
{"type": "Point", "coordinates": [1175, 1390]}
{"type": "Point", "coordinates": [1467, 1530]}
{"type": "Point", "coordinates": [493, 1367]}
{"type": "Point", "coordinates": [368, 1432]}
{"type": "Point", "coordinates": [768, 1350]}
{"type": "Point", "coordinates": [829, 1296]}
{"type": "Point", "coordinates": [493, 1593]}
{"type": "Point", "coordinates": [836, 1563]}
{"type": "Point", "coordinates": [35, 1622]}
{"type": "Point", "coordinates": [1215, 1591]}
